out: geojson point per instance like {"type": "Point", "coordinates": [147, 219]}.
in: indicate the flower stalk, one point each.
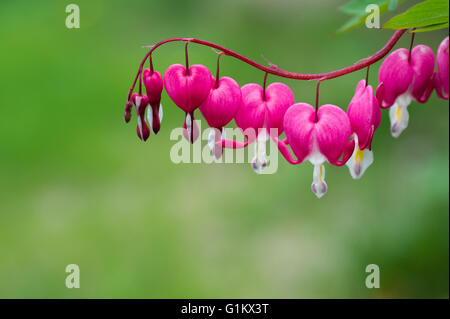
{"type": "Point", "coordinates": [275, 70]}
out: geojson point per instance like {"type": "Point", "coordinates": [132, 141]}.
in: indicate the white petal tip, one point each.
{"type": "Point", "coordinates": [319, 189]}
{"type": "Point", "coordinates": [395, 131]}
{"type": "Point", "coordinates": [258, 165]}
{"type": "Point", "coordinates": [319, 186]}
{"type": "Point", "coordinates": [359, 162]}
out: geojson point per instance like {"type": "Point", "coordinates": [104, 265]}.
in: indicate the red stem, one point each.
{"type": "Point", "coordinates": [151, 65]}
{"type": "Point", "coordinates": [140, 83]}
{"type": "Point", "coordinates": [317, 100]}
{"type": "Point", "coordinates": [367, 75]}
{"type": "Point", "coordinates": [217, 72]}
{"type": "Point", "coordinates": [411, 46]}
{"type": "Point", "coordinates": [264, 86]}
{"type": "Point", "coordinates": [276, 70]}
{"type": "Point", "coordinates": [187, 59]}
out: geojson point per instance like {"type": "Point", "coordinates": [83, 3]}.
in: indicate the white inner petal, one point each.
{"type": "Point", "coordinates": [188, 125]}
{"type": "Point", "coordinates": [150, 118]}
{"type": "Point", "coordinates": [211, 139]}
{"type": "Point", "coordinates": [138, 102]}
{"type": "Point", "coordinates": [319, 186]}
{"type": "Point", "coordinates": [398, 114]}
{"type": "Point", "coordinates": [359, 161]}
{"type": "Point", "coordinates": [316, 158]}
{"type": "Point", "coordinates": [140, 127]}
{"type": "Point", "coordinates": [160, 113]}
{"type": "Point", "coordinates": [259, 162]}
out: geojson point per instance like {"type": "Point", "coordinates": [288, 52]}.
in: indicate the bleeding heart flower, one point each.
{"type": "Point", "coordinates": [402, 79]}
{"type": "Point", "coordinates": [365, 116]}
{"type": "Point", "coordinates": [141, 102]}
{"type": "Point", "coordinates": [219, 108]}
{"type": "Point", "coordinates": [262, 111]}
{"type": "Point", "coordinates": [188, 88]}
{"type": "Point", "coordinates": [320, 139]}
{"type": "Point", "coordinates": [441, 76]}
{"type": "Point", "coordinates": [153, 83]}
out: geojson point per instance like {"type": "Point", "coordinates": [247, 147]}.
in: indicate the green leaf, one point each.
{"type": "Point", "coordinates": [393, 5]}
{"type": "Point", "coordinates": [353, 23]}
{"type": "Point", "coordinates": [357, 8]}
{"type": "Point", "coordinates": [427, 13]}
{"type": "Point", "coordinates": [433, 27]}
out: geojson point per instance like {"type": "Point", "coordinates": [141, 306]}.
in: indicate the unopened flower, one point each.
{"type": "Point", "coordinates": [441, 76]}
{"type": "Point", "coordinates": [141, 101]}
{"type": "Point", "coordinates": [263, 110]}
{"type": "Point", "coordinates": [153, 83]}
{"type": "Point", "coordinates": [319, 138]}
{"type": "Point", "coordinates": [365, 116]}
{"type": "Point", "coordinates": [404, 77]}
{"type": "Point", "coordinates": [127, 112]}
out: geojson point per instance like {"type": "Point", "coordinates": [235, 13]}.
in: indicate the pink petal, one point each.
{"type": "Point", "coordinates": [442, 76]}
{"type": "Point", "coordinates": [279, 98]}
{"type": "Point", "coordinates": [364, 113]}
{"type": "Point", "coordinates": [396, 75]}
{"type": "Point", "coordinates": [188, 91]}
{"type": "Point", "coordinates": [299, 127]}
{"type": "Point", "coordinates": [256, 113]}
{"type": "Point", "coordinates": [422, 62]}
{"type": "Point", "coordinates": [332, 130]}
{"type": "Point", "coordinates": [153, 85]}
{"type": "Point", "coordinates": [222, 103]}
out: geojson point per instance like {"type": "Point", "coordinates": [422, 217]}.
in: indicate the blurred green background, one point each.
{"type": "Point", "coordinates": [77, 186]}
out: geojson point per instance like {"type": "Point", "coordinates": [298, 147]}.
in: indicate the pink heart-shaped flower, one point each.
{"type": "Point", "coordinates": [222, 102]}
{"type": "Point", "coordinates": [258, 111]}
{"type": "Point", "coordinates": [189, 89]}
{"type": "Point", "coordinates": [364, 114]}
{"type": "Point", "coordinates": [395, 77]}
{"type": "Point", "coordinates": [400, 74]}
{"type": "Point", "coordinates": [318, 140]}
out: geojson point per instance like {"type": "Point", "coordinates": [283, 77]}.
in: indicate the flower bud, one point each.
{"type": "Point", "coordinates": [127, 112]}
{"type": "Point", "coordinates": [141, 102]}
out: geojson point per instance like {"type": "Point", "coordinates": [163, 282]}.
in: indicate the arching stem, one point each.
{"type": "Point", "coordinates": [276, 70]}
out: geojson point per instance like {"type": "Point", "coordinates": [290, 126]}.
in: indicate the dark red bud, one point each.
{"type": "Point", "coordinates": [156, 124]}
{"type": "Point", "coordinates": [142, 129]}
{"type": "Point", "coordinates": [127, 113]}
